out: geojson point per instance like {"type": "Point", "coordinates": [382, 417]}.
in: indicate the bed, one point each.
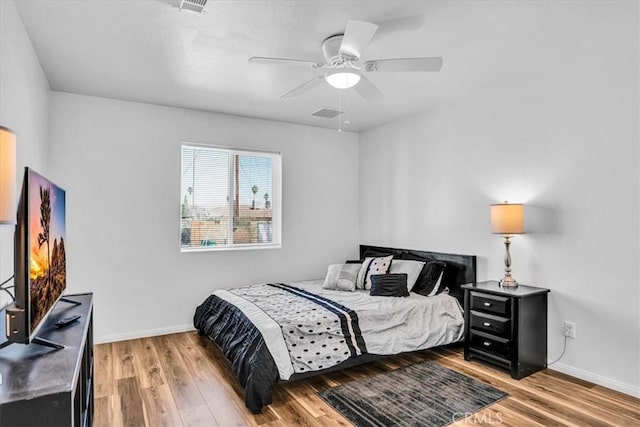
{"type": "Point", "coordinates": [278, 332]}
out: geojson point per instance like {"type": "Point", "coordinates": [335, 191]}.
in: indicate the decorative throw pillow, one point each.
{"type": "Point", "coordinates": [363, 270]}
{"type": "Point", "coordinates": [341, 277]}
{"type": "Point", "coordinates": [411, 268]}
{"type": "Point", "coordinates": [389, 285]}
{"type": "Point", "coordinates": [430, 279]}
{"type": "Point", "coordinates": [377, 266]}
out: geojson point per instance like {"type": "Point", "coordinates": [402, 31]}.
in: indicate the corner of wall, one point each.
{"type": "Point", "coordinates": [24, 108]}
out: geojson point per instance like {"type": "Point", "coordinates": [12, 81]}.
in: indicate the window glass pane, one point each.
{"type": "Point", "coordinates": [253, 188]}
{"type": "Point", "coordinates": [204, 197]}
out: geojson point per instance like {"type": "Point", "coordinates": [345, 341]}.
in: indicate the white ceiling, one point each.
{"type": "Point", "coordinates": [149, 51]}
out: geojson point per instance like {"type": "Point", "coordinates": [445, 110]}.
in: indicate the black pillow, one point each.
{"type": "Point", "coordinates": [389, 285]}
{"type": "Point", "coordinates": [374, 253]}
{"type": "Point", "coordinates": [428, 278]}
{"type": "Point", "coordinates": [415, 257]}
{"type": "Point", "coordinates": [353, 261]}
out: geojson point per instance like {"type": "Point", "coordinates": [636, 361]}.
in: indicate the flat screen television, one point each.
{"type": "Point", "coordinates": [40, 258]}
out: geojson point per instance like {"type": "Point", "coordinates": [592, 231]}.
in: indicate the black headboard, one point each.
{"type": "Point", "coordinates": [460, 269]}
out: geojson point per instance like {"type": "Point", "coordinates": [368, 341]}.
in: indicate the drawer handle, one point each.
{"type": "Point", "coordinates": [487, 304]}
{"type": "Point", "coordinates": [487, 324]}
{"type": "Point", "coordinates": [486, 343]}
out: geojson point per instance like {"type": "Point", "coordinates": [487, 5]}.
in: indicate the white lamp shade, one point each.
{"type": "Point", "coordinates": [507, 218]}
{"type": "Point", "coordinates": [342, 79]}
{"type": "Point", "coordinates": [7, 176]}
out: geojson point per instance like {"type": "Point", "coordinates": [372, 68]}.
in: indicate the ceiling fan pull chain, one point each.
{"type": "Point", "coordinates": [339, 110]}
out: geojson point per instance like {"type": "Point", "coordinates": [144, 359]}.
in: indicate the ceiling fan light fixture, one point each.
{"type": "Point", "coordinates": [342, 79]}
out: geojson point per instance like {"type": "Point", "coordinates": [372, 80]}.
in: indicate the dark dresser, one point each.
{"type": "Point", "coordinates": [46, 387]}
{"type": "Point", "coordinates": [506, 327]}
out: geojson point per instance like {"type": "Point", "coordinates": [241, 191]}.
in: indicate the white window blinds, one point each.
{"type": "Point", "coordinates": [229, 198]}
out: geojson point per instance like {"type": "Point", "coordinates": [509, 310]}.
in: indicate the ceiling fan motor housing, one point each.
{"type": "Point", "coordinates": [331, 50]}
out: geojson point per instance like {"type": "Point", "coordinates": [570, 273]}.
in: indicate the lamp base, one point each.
{"type": "Point", "coordinates": [508, 282]}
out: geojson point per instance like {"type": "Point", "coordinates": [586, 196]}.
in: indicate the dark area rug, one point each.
{"type": "Point", "coordinates": [425, 394]}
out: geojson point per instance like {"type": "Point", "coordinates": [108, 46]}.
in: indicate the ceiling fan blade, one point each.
{"type": "Point", "coordinates": [303, 87]}
{"type": "Point", "coordinates": [404, 64]}
{"type": "Point", "coordinates": [356, 37]}
{"type": "Point", "coordinates": [283, 61]}
{"type": "Point", "coordinates": [368, 90]}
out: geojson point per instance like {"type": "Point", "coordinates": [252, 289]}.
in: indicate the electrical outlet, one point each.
{"type": "Point", "coordinates": [569, 329]}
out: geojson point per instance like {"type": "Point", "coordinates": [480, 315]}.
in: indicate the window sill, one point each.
{"type": "Point", "coordinates": [246, 247]}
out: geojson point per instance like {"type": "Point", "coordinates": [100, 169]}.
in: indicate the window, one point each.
{"type": "Point", "coordinates": [229, 198]}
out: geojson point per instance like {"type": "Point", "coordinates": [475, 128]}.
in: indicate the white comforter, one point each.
{"type": "Point", "coordinates": [389, 325]}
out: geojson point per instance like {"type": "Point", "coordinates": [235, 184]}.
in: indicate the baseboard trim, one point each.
{"type": "Point", "coordinates": [143, 334]}
{"type": "Point", "coordinates": [597, 379]}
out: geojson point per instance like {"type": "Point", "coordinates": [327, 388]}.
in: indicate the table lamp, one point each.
{"type": "Point", "coordinates": [507, 219]}
{"type": "Point", "coordinates": [7, 176]}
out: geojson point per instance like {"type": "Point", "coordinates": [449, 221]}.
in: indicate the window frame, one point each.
{"type": "Point", "coordinates": [276, 198]}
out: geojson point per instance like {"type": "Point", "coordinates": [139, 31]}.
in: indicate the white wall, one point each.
{"type": "Point", "coordinates": [24, 108]}
{"type": "Point", "coordinates": [120, 164]}
{"type": "Point", "coordinates": [563, 140]}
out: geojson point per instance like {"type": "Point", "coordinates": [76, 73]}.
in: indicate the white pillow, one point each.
{"type": "Point", "coordinates": [341, 277]}
{"type": "Point", "coordinates": [411, 268]}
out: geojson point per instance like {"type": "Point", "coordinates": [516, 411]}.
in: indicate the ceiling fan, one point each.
{"type": "Point", "coordinates": [344, 69]}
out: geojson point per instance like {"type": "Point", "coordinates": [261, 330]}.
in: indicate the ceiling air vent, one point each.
{"type": "Point", "coordinates": [326, 113]}
{"type": "Point", "coordinates": [193, 5]}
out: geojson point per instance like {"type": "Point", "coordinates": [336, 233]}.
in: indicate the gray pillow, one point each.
{"type": "Point", "coordinates": [341, 277]}
{"type": "Point", "coordinates": [363, 270]}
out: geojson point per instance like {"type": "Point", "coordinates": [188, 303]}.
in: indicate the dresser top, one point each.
{"type": "Point", "coordinates": [33, 370]}
{"type": "Point", "coordinates": [492, 287]}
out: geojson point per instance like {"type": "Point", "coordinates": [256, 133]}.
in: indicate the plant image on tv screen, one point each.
{"type": "Point", "coordinates": [47, 257]}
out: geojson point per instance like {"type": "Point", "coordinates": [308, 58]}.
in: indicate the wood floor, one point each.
{"type": "Point", "coordinates": [184, 380]}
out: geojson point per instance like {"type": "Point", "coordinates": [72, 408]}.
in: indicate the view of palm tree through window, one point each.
{"type": "Point", "coordinates": [226, 197]}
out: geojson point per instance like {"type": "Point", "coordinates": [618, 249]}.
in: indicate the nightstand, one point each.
{"type": "Point", "coordinates": [506, 327]}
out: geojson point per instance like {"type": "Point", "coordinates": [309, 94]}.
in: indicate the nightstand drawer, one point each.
{"type": "Point", "coordinates": [491, 344]}
{"type": "Point", "coordinates": [490, 303]}
{"type": "Point", "coordinates": [490, 323]}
